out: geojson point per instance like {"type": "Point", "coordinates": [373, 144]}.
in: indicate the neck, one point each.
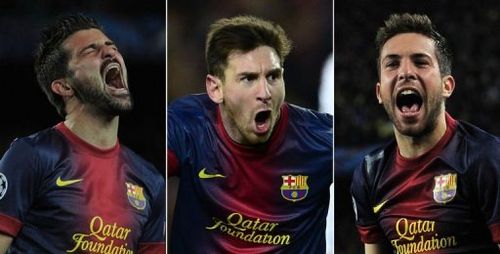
{"type": "Point", "coordinates": [412, 147]}
{"type": "Point", "coordinates": [95, 129]}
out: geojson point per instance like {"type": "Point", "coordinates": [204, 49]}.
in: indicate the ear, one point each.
{"type": "Point", "coordinates": [214, 88]}
{"type": "Point", "coordinates": [61, 87]}
{"type": "Point", "coordinates": [377, 91]}
{"type": "Point", "coordinates": [448, 86]}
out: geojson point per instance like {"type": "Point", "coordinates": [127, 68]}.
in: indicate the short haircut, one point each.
{"type": "Point", "coordinates": [242, 33]}
{"type": "Point", "coordinates": [414, 23]}
{"type": "Point", "coordinates": [51, 60]}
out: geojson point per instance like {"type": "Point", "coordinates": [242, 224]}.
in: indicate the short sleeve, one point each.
{"type": "Point", "coordinates": [18, 185]}
{"type": "Point", "coordinates": [153, 238]}
{"type": "Point", "coordinates": [366, 220]}
{"type": "Point", "coordinates": [486, 181]}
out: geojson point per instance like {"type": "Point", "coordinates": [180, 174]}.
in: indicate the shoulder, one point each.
{"type": "Point", "coordinates": [191, 110]}
{"type": "Point", "coordinates": [479, 146]}
{"type": "Point", "coordinates": [374, 162]}
{"type": "Point", "coordinates": [309, 117]}
{"type": "Point", "coordinates": [194, 103]}
{"type": "Point", "coordinates": [141, 166]}
{"type": "Point", "coordinates": [310, 126]}
{"type": "Point", "coordinates": [43, 142]}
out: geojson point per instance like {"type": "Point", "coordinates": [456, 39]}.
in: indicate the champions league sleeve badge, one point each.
{"type": "Point", "coordinates": [294, 188]}
{"type": "Point", "coordinates": [3, 185]}
{"type": "Point", "coordinates": [135, 196]}
{"type": "Point", "coordinates": [445, 188]}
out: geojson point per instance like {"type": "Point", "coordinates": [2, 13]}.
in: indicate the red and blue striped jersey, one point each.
{"type": "Point", "coordinates": [63, 195]}
{"type": "Point", "coordinates": [271, 198]}
{"type": "Point", "coordinates": [444, 201]}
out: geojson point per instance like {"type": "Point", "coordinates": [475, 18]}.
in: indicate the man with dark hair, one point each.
{"type": "Point", "coordinates": [435, 189]}
{"type": "Point", "coordinates": [254, 172]}
{"type": "Point", "coordinates": [73, 187]}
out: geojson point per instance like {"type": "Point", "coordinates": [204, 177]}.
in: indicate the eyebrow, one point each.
{"type": "Point", "coordinates": [94, 45]}
{"type": "Point", "coordinates": [274, 71]}
{"type": "Point", "coordinates": [397, 57]}
{"type": "Point", "coordinates": [256, 74]}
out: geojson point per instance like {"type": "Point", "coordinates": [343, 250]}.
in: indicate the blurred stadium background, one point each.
{"type": "Point", "coordinates": [471, 28]}
{"type": "Point", "coordinates": [137, 27]}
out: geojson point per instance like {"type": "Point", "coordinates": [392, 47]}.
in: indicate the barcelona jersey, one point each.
{"type": "Point", "coordinates": [271, 198]}
{"type": "Point", "coordinates": [60, 194]}
{"type": "Point", "coordinates": [444, 201]}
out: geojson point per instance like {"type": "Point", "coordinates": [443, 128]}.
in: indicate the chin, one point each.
{"type": "Point", "coordinates": [414, 130]}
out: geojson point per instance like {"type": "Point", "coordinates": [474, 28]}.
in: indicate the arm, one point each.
{"type": "Point", "coordinates": [5, 242]}
{"type": "Point", "coordinates": [173, 186]}
{"type": "Point", "coordinates": [375, 248]}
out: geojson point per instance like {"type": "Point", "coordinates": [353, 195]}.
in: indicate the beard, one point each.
{"type": "Point", "coordinates": [429, 123]}
{"type": "Point", "coordinates": [89, 92]}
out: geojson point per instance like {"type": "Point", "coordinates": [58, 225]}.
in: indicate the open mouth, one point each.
{"type": "Point", "coordinates": [262, 121]}
{"type": "Point", "coordinates": [409, 101]}
{"type": "Point", "coordinates": [112, 75]}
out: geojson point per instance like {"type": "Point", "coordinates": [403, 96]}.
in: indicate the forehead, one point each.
{"type": "Point", "coordinates": [407, 44]}
{"type": "Point", "coordinates": [262, 57]}
{"type": "Point", "coordinates": [83, 38]}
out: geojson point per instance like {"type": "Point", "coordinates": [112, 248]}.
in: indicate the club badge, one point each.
{"type": "Point", "coordinates": [3, 185]}
{"type": "Point", "coordinates": [294, 188]}
{"type": "Point", "coordinates": [445, 188]}
{"type": "Point", "coordinates": [136, 196]}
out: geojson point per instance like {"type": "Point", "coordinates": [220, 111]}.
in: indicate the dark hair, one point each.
{"type": "Point", "coordinates": [414, 23]}
{"type": "Point", "coordinates": [242, 33]}
{"type": "Point", "coordinates": [51, 60]}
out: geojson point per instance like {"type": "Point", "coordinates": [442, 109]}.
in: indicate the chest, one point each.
{"type": "Point", "coordinates": [93, 202]}
{"type": "Point", "coordinates": [428, 209]}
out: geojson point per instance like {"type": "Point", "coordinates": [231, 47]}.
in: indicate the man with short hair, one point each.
{"type": "Point", "coordinates": [435, 189]}
{"type": "Point", "coordinates": [73, 187]}
{"type": "Point", "coordinates": [254, 171]}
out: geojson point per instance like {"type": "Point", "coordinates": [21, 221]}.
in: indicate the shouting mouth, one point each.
{"type": "Point", "coordinates": [113, 77]}
{"type": "Point", "coordinates": [263, 121]}
{"type": "Point", "coordinates": [409, 102]}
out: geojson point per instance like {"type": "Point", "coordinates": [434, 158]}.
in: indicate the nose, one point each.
{"type": "Point", "coordinates": [407, 70]}
{"type": "Point", "coordinates": [108, 51]}
{"type": "Point", "coordinates": [263, 91]}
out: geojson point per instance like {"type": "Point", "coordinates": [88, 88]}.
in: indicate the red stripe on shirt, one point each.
{"type": "Point", "coordinates": [152, 248]}
{"type": "Point", "coordinates": [9, 225]}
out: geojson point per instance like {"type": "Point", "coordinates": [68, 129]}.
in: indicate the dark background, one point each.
{"type": "Point", "coordinates": [138, 29]}
{"type": "Point", "coordinates": [471, 28]}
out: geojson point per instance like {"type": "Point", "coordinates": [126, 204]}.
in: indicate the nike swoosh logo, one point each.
{"type": "Point", "coordinates": [203, 175]}
{"type": "Point", "coordinates": [62, 183]}
{"type": "Point", "coordinates": [379, 206]}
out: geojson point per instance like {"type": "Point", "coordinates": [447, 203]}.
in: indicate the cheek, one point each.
{"type": "Point", "coordinates": [278, 91]}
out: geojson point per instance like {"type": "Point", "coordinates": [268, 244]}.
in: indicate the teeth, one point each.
{"type": "Point", "coordinates": [407, 92]}
{"type": "Point", "coordinates": [111, 66]}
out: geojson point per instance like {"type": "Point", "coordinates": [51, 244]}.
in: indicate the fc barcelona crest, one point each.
{"type": "Point", "coordinates": [294, 188]}
{"type": "Point", "coordinates": [445, 188]}
{"type": "Point", "coordinates": [135, 196]}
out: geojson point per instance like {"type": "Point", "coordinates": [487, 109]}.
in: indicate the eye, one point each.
{"type": "Point", "coordinates": [88, 51]}
{"type": "Point", "coordinates": [421, 63]}
{"type": "Point", "coordinates": [391, 64]}
{"type": "Point", "coordinates": [273, 76]}
{"type": "Point", "coordinates": [248, 78]}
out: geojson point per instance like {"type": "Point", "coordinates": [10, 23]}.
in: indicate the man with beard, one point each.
{"type": "Point", "coordinates": [74, 187]}
{"type": "Point", "coordinates": [254, 172]}
{"type": "Point", "coordinates": [435, 189]}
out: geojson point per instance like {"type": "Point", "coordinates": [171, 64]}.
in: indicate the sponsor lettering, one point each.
{"type": "Point", "coordinates": [419, 236]}
{"type": "Point", "coordinates": [97, 239]}
{"type": "Point", "coordinates": [250, 230]}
